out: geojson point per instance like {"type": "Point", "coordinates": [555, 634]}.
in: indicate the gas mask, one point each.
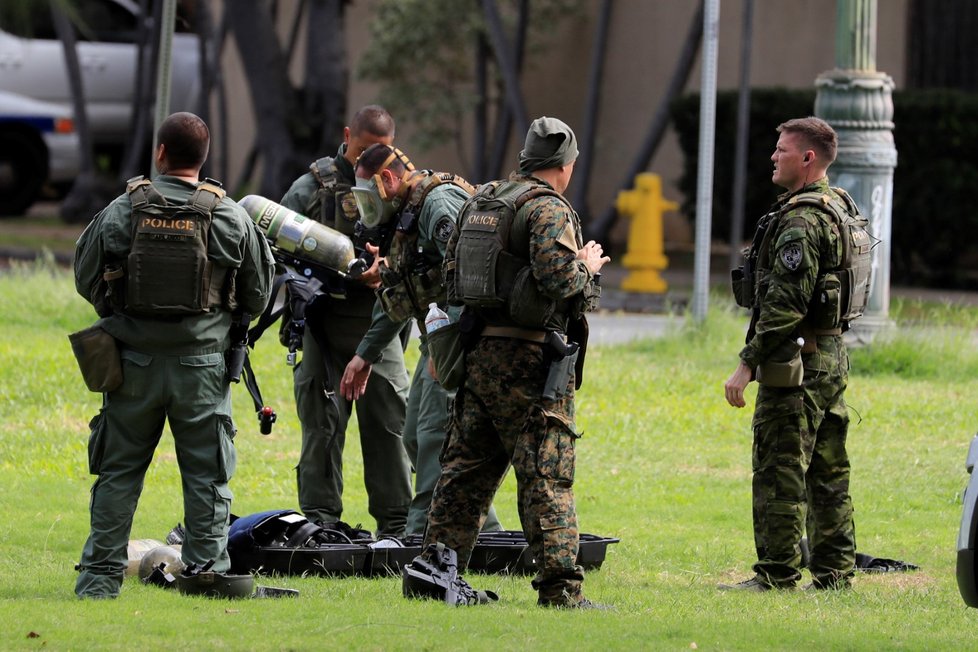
{"type": "Point", "coordinates": [376, 210]}
{"type": "Point", "coordinates": [372, 202]}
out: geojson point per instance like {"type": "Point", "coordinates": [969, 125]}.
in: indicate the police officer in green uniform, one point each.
{"type": "Point", "coordinates": [419, 210]}
{"type": "Point", "coordinates": [336, 322]}
{"type": "Point", "coordinates": [516, 406]}
{"type": "Point", "coordinates": [796, 353]}
{"type": "Point", "coordinates": [172, 339]}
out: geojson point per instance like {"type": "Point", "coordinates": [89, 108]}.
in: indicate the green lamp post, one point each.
{"type": "Point", "coordinates": [857, 101]}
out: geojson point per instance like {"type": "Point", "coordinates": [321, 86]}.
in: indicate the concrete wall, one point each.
{"type": "Point", "coordinates": [794, 41]}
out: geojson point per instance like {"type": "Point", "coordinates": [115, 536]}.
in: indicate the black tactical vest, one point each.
{"type": "Point", "coordinates": [167, 272]}
{"type": "Point", "coordinates": [490, 268]}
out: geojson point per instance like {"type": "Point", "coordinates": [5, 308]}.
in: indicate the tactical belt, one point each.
{"type": "Point", "coordinates": [516, 333]}
{"type": "Point", "coordinates": [809, 334]}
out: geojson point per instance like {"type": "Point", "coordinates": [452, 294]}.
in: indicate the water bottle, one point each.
{"type": "Point", "coordinates": [435, 319]}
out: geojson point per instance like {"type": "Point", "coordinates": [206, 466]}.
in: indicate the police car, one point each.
{"type": "Point", "coordinates": [38, 144]}
{"type": "Point", "coordinates": [107, 32]}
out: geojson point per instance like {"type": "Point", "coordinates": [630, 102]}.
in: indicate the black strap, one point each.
{"type": "Point", "coordinates": [251, 383]}
{"type": "Point", "coordinates": [302, 535]}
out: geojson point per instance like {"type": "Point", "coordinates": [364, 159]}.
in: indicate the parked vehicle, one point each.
{"type": "Point", "coordinates": [38, 144]}
{"type": "Point", "coordinates": [32, 65]}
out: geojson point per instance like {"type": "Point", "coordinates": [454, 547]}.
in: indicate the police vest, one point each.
{"type": "Point", "coordinates": [841, 291]}
{"type": "Point", "coordinates": [333, 204]}
{"type": "Point", "coordinates": [411, 280]}
{"type": "Point", "coordinates": [489, 268]}
{"type": "Point", "coordinates": [167, 272]}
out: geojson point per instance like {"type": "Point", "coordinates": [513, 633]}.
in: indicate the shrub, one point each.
{"type": "Point", "coordinates": [935, 226]}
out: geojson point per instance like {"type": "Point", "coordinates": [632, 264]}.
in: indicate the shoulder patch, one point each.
{"type": "Point", "coordinates": [444, 230]}
{"type": "Point", "coordinates": [348, 206]}
{"type": "Point", "coordinates": [791, 255]}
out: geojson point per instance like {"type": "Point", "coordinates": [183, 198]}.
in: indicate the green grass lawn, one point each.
{"type": "Point", "coordinates": [664, 464]}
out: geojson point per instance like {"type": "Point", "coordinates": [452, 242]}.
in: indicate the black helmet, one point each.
{"type": "Point", "coordinates": [192, 581]}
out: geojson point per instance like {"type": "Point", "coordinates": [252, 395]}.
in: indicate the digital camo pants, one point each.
{"type": "Point", "coordinates": [500, 419]}
{"type": "Point", "coordinates": [801, 473]}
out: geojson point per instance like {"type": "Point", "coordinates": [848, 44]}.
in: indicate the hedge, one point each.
{"type": "Point", "coordinates": [935, 225]}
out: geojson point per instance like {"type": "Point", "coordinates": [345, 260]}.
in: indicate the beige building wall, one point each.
{"type": "Point", "coordinates": [793, 42]}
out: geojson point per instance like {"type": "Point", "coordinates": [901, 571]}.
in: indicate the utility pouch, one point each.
{"type": "Point", "coordinates": [825, 310]}
{"type": "Point", "coordinates": [447, 354]}
{"type": "Point", "coordinates": [98, 358]}
{"type": "Point", "coordinates": [783, 371]}
{"type": "Point", "coordinates": [528, 306]}
{"type": "Point", "coordinates": [740, 285]}
{"type": "Point", "coordinates": [396, 302]}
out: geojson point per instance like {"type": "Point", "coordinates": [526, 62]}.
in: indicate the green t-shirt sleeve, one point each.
{"type": "Point", "coordinates": [382, 330]}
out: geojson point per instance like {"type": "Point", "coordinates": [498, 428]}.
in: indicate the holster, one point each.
{"type": "Point", "coordinates": [563, 361]}
{"type": "Point", "coordinates": [98, 358]}
{"type": "Point", "coordinates": [578, 332]}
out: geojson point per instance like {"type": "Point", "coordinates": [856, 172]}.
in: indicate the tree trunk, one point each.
{"type": "Point", "coordinates": [136, 157]}
{"type": "Point", "coordinates": [327, 76]}
{"type": "Point", "coordinates": [83, 200]}
{"type": "Point", "coordinates": [272, 96]}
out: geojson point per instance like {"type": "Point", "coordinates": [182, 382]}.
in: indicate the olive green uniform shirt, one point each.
{"type": "Point", "coordinates": [234, 242]}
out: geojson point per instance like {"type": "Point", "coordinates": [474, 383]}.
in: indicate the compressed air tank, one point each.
{"type": "Point", "coordinates": [296, 235]}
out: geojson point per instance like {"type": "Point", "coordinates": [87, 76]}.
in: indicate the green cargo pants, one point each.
{"type": "Point", "coordinates": [380, 415]}
{"type": "Point", "coordinates": [192, 393]}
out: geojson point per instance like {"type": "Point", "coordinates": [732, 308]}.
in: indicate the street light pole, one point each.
{"type": "Point", "coordinates": [858, 102]}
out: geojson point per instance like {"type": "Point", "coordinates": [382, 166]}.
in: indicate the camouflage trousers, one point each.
{"type": "Point", "coordinates": [800, 465]}
{"type": "Point", "coordinates": [500, 419]}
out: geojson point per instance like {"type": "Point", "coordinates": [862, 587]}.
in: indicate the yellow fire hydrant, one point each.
{"type": "Point", "coordinates": [645, 256]}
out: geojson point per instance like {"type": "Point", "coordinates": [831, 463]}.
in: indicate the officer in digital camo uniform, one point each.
{"type": "Point", "coordinates": [419, 208]}
{"type": "Point", "coordinates": [796, 352]}
{"type": "Point", "coordinates": [543, 281]}
{"type": "Point", "coordinates": [341, 316]}
{"type": "Point", "coordinates": [173, 340]}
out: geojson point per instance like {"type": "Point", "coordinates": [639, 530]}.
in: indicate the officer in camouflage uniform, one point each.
{"type": "Point", "coordinates": [340, 317]}
{"type": "Point", "coordinates": [411, 279]}
{"type": "Point", "coordinates": [800, 419]}
{"type": "Point", "coordinates": [173, 360]}
{"type": "Point", "coordinates": [501, 417]}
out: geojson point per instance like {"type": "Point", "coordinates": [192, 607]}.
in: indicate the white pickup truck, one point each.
{"type": "Point", "coordinates": [32, 66]}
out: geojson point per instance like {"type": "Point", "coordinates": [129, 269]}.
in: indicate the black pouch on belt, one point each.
{"type": "Point", "coordinates": [98, 358]}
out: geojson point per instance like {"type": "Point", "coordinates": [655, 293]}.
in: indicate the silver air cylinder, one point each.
{"type": "Point", "coordinates": [299, 236]}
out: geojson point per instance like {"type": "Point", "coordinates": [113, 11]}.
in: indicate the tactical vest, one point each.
{"type": "Point", "coordinates": [490, 268]}
{"type": "Point", "coordinates": [412, 280]}
{"type": "Point", "coordinates": [167, 272]}
{"type": "Point", "coordinates": [335, 203]}
{"type": "Point", "coordinates": [841, 292]}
